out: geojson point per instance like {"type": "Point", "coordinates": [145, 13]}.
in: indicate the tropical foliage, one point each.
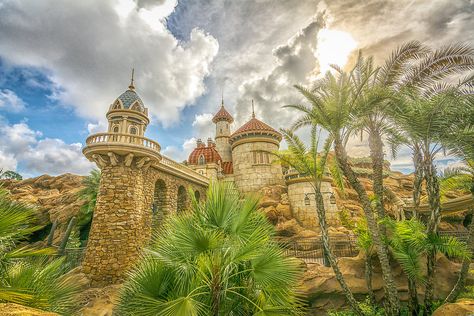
{"type": "Point", "coordinates": [216, 259]}
{"type": "Point", "coordinates": [28, 276]}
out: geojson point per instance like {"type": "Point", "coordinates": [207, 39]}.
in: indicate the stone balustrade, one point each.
{"type": "Point", "coordinates": [120, 138]}
{"type": "Point", "coordinates": [170, 163]}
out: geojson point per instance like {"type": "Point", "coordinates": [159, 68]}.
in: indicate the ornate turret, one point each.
{"type": "Point", "coordinates": [128, 119]}
{"type": "Point", "coordinates": [223, 119]}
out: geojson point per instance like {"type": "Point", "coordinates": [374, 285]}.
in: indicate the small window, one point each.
{"type": "Point", "coordinates": [133, 130]}
{"type": "Point", "coordinates": [202, 160]}
{"type": "Point", "coordinates": [260, 158]}
{"type": "Point", "coordinates": [116, 129]}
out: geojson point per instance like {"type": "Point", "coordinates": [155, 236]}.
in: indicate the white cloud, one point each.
{"type": "Point", "coordinates": [9, 101]}
{"type": "Point", "coordinates": [180, 154]}
{"type": "Point", "coordinates": [87, 51]}
{"type": "Point", "coordinates": [203, 126]}
{"type": "Point", "coordinates": [98, 127]}
{"type": "Point", "coordinates": [20, 145]}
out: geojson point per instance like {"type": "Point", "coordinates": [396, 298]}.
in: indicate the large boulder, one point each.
{"type": "Point", "coordinates": [460, 308]}
{"type": "Point", "coordinates": [324, 293]}
{"type": "Point", "coordinates": [10, 309]}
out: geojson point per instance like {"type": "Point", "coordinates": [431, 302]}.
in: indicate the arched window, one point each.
{"type": "Point", "coordinates": [116, 129]}
{"type": "Point", "coordinates": [181, 202]}
{"type": "Point", "coordinates": [201, 160]}
{"type": "Point", "coordinates": [133, 130]}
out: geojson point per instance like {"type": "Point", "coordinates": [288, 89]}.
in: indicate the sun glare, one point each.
{"type": "Point", "coordinates": [334, 47]}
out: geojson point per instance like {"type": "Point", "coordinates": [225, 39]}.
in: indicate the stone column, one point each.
{"type": "Point", "coordinates": [121, 224]}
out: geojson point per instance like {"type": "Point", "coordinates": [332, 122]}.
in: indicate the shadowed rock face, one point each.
{"type": "Point", "coordinates": [55, 198]}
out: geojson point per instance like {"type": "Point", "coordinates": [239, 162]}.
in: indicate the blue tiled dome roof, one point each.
{"type": "Point", "coordinates": [129, 97]}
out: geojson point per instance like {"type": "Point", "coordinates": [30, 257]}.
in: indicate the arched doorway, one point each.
{"type": "Point", "coordinates": [159, 203]}
{"type": "Point", "coordinates": [197, 195]}
{"type": "Point", "coordinates": [181, 200]}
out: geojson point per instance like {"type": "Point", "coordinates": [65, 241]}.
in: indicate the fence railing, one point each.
{"type": "Point", "coordinates": [310, 250]}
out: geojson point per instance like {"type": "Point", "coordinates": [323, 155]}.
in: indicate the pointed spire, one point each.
{"type": "Point", "coordinates": [131, 86]}
{"type": "Point", "coordinates": [253, 110]}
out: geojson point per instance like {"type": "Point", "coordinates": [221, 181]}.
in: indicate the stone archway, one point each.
{"type": "Point", "coordinates": [182, 197]}
{"type": "Point", "coordinates": [159, 203]}
{"type": "Point", "coordinates": [197, 195]}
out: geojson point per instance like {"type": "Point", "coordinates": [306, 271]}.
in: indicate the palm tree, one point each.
{"type": "Point", "coordinates": [333, 103]}
{"type": "Point", "coordinates": [308, 162]}
{"type": "Point", "coordinates": [459, 141]}
{"type": "Point", "coordinates": [216, 259]}
{"type": "Point", "coordinates": [27, 276]}
{"type": "Point", "coordinates": [365, 244]}
{"type": "Point", "coordinates": [88, 194]}
{"type": "Point", "coordinates": [409, 242]}
{"type": "Point", "coordinates": [424, 119]}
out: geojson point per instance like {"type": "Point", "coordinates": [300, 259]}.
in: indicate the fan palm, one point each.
{"type": "Point", "coordinates": [26, 276]}
{"type": "Point", "coordinates": [333, 104]}
{"type": "Point", "coordinates": [216, 259]}
{"type": "Point", "coordinates": [307, 161]}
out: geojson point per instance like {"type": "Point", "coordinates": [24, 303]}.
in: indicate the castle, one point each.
{"type": "Point", "coordinates": [139, 186]}
{"type": "Point", "coordinates": [243, 157]}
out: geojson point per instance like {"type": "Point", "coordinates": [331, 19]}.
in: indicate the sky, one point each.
{"type": "Point", "coordinates": [63, 63]}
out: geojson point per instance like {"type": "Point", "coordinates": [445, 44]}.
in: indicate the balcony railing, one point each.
{"type": "Point", "coordinates": [176, 165]}
{"type": "Point", "coordinates": [118, 138]}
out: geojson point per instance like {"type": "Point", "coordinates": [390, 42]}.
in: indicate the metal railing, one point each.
{"type": "Point", "coordinates": [310, 250]}
{"type": "Point", "coordinates": [119, 138]}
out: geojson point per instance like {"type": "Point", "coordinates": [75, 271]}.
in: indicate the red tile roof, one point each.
{"type": "Point", "coordinates": [256, 126]}
{"type": "Point", "coordinates": [227, 167]}
{"type": "Point", "coordinates": [210, 155]}
{"type": "Point", "coordinates": [221, 115]}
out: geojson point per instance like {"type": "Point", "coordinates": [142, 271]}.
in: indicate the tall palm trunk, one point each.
{"type": "Point", "coordinates": [459, 286]}
{"type": "Point", "coordinates": [418, 180]}
{"type": "Point", "coordinates": [368, 277]}
{"type": "Point", "coordinates": [381, 248]}
{"type": "Point", "coordinates": [377, 157]}
{"type": "Point", "coordinates": [328, 252]}
{"type": "Point", "coordinates": [432, 188]}
{"type": "Point", "coordinates": [413, 303]}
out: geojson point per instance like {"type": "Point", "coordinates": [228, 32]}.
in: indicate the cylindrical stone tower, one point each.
{"type": "Point", "coordinates": [223, 119]}
{"type": "Point", "coordinates": [122, 218]}
{"type": "Point", "coordinates": [252, 147]}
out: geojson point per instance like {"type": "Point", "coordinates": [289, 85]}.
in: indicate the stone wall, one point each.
{"type": "Point", "coordinates": [306, 214]}
{"type": "Point", "coordinates": [250, 177]}
{"type": "Point", "coordinates": [130, 200]}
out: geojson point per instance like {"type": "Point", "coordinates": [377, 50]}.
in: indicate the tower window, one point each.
{"type": "Point", "coordinates": [260, 158]}
{"type": "Point", "coordinates": [133, 130]}
{"type": "Point", "coordinates": [201, 160]}
{"type": "Point", "coordinates": [116, 129]}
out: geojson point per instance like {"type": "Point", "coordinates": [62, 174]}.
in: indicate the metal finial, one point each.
{"type": "Point", "coordinates": [253, 110]}
{"type": "Point", "coordinates": [131, 86]}
{"type": "Point", "coordinates": [222, 101]}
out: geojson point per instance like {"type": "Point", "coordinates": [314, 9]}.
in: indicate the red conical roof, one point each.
{"type": "Point", "coordinates": [210, 155]}
{"type": "Point", "coordinates": [222, 115]}
{"type": "Point", "coordinates": [255, 126]}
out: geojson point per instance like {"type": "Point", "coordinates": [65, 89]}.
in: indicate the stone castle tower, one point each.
{"type": "Point", "coordinates": [253, 163]}
{"type": "Point", "coordinates": [122, 217]}
{"type": "Point", "coordinates": [223, 119]}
